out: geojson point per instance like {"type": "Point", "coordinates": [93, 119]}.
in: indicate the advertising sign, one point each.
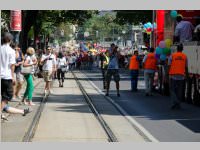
{"type": "Point", "coordinates": [16, 21]}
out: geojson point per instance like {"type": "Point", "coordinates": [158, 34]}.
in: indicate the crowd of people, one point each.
{"type": "Point", "coordinates": [49, 64]}
{"type": "Point", "coordinates": [177, 70]}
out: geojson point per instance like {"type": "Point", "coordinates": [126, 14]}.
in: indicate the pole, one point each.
{"type": "Point", "coordinates": [44, 41]}
{"type": "Point", "coordinates": [153, 32]}
{"type": "Point", "coordinates": [113, 34]}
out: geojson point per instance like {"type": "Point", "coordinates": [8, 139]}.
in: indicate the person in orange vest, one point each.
{"type": "Point", "coordinates": [178, 70]}
{"type": "Point", "coordinates": [134, 70]}
{"type": "Point", "coordinates": [149, 65]}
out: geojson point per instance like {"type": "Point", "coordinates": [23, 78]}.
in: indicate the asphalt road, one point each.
{"type": "Point", "coordinates": [154, 113]}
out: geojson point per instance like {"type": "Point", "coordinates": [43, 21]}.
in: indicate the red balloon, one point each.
{"type": "Point", "coordinates": [148, 29]}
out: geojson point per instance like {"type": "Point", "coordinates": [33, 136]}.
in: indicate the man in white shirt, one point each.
{"type": "Point", "coordinates": [7, 62]}
{"type": "Point", "coordinates": [48, 61]}
{"type": "Point", "coordinates": [183, 30]}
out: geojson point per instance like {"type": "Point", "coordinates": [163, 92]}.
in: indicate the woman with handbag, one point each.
{"type": "Point", "coordinates": [61, 65]}
{"type": "Point", "coordinates": [27, 70]}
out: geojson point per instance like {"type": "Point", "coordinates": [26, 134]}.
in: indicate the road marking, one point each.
{"type": "Point", "coordinates": [126, 115]}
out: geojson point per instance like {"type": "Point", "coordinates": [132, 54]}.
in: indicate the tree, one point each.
{"type": "Point", "coordinates": [39, 18]}
{"type": "Point", "coordinates": [102, 26]}
{"type": "Point", "coordinates": [133, 16]}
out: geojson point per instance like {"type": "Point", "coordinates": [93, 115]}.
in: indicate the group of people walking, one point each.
{"type": "Point", "coordinates": [17, 67]}
{"type": "Point", "coordinates": [177, 70]}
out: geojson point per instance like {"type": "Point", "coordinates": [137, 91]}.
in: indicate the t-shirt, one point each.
{"type": "Point", "coordinates": [19, 59]}
{"type": "Point", "coordinates": [113, 63]}
{"type": "Point", "coordinates": [73, 59]}
{"type": "Point", "coordinates": [48, 65]}
{"type": "Point", "coordinates": [7, 58]}
{"type": "Point", "coordinates": [184, 31]}
{"type": "Point", "coordinates": [30, 61]}
{"type": "Point", "coordinates": [61, 62]}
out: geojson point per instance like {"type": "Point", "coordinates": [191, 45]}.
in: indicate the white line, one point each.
{"type": "Point", "coordinates": [126, 115]}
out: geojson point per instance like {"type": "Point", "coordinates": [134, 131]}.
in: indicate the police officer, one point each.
{"type": "Point", "coordinates": [134, 70]}
{"type": "Point", "coordinates": [149, 64]}
{"type": "Point", "coordinates": [178, 69]}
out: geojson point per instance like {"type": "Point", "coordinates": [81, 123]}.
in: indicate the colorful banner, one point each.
{"type": "Point", "coordinates": [16, 20]}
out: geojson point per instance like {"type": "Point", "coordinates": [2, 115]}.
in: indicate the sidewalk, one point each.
{"type": "Point", "coordinates": [67, 117]}
{"type": "Point", "coordinates": [15, 103]}
{"type": "Point", "coordinates": [17, 125]}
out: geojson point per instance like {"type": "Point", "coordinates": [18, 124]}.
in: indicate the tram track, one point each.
{"type": "Point", "coordinates": [140, 129]}
{"type": "Point", "coordinates": [32, 128]}
{"type": "Point", "coordinates": [105, 126]}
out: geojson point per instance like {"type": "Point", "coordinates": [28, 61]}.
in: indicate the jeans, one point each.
{"type": "Point", "coordinates": [60, 75]}
{"type": "Point", "coordinates": [29, 87]}
{"type": "Point", "coordinates": [177, 90]}
{"type": "Point", "coordinates": [134, 79]}
{"type": "Point", "coordinates": [149, 78]}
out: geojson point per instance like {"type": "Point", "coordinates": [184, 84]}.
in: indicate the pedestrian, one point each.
{"type": "Point", "coordinates": [48, 61]}
{"type": "Point", "coordinates": [73, 61]}
{"type": "Point", "coordinates": [134, 70]}
{"type": "Point", "coordinates": [54, 74]}
{"type": "Point", "coordinates": [18, 75]}
{"type": "Point", "coordinates": [104, 58]}
{"type": "Point", "coordinates": [61, 64]}
{"type": "Point", "coordinates": [29, 61]}
{"type": "Point", "coordinates": [90, 60]}
{"type": "Point", "coordinates": [183, 30]}
{"type": "Point", "coordinates": [149, 64]}
{"type": "Point", "coordinates": [178, 70]}
{"type": "Point", "coordinates": [113, 70]}
{"type": "Point", "coordinates": [7, 61]}
{"type": "Point", "coordinates": [70, 61]}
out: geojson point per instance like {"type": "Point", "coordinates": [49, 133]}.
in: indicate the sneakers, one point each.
{"type": "Point", "coordinates": [26, 111]}
{"type": "Point", "coordinates": [3, 117]}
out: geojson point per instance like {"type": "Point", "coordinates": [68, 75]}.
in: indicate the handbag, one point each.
{"type": "Point", "coordinates": [65, 68]}
{"type": "Point", "coordinates": [26, 70]}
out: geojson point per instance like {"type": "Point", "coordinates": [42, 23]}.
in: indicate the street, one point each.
{"type": "Point", "coordinates": [66, 117]}
{"type": "Point", "coordinates": [154, 113]}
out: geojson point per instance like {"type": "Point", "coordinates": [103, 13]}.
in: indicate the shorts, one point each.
{"type": "Point", "coordinates": [19, 77]}
{"type": "Point", "coordinates": [47, 75]}
{"type": "Point", "coordinates": [114, 73]}
{"type": "Point", "coordinates": [6, 89]}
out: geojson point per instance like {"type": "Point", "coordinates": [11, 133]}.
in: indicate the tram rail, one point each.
{"type": "Point", "coordinates": [109, 132]}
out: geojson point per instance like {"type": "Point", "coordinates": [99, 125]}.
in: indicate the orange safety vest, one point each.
{"type": "Point", "coordinates": [178, 64]}
{"type": "Point", "coordinates": [150, 62]}
{"type": "Point", "coordinates": [134, 63]}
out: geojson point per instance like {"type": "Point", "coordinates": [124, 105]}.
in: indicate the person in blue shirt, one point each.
{"type": "Point", "coordinates": [113, 70]}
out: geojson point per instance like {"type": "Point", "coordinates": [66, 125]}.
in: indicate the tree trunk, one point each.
{"type": "Point", "coordinates": [28, 19]}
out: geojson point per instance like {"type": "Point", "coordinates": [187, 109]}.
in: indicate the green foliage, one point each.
{"type": "Point", "coordinates": [5, 20]}
{"type": "Point", "coordinates": [104, 25]}
{"type": "Point", "coordinates": [133, 16]}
